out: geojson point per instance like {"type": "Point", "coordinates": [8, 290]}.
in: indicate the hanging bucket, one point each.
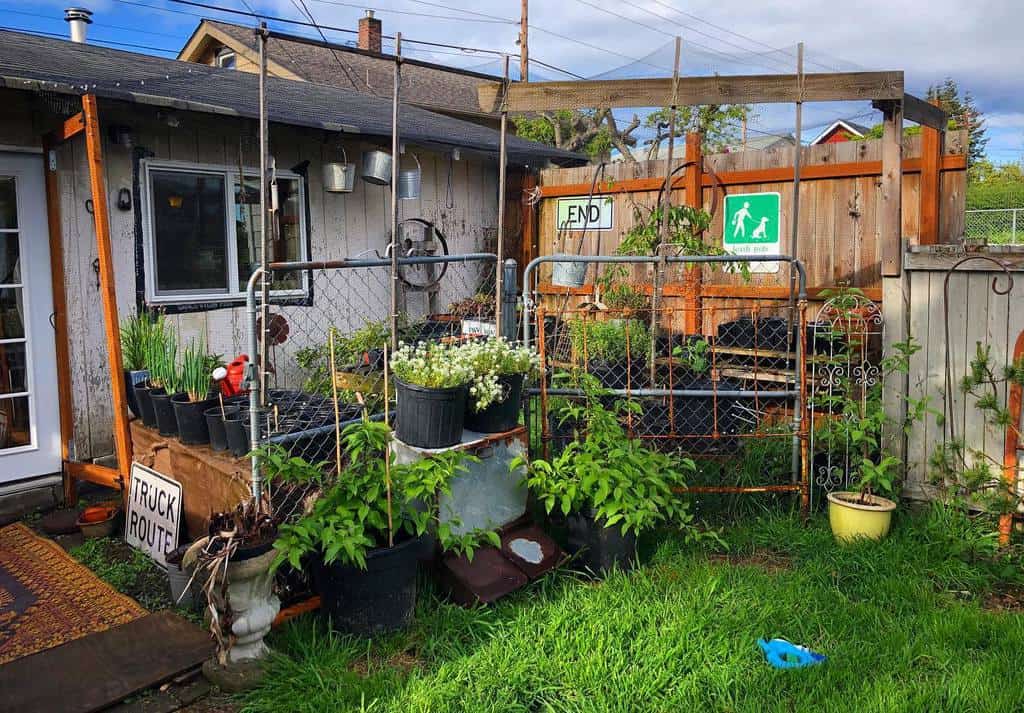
{"type": "Point", "coordinates": [340, 177]}
{"type": "Point", "coordinates": [377, 167]}
{"type": "Point", "coordinates": [568, 274]}
{"type": "Point", "coordinates": [409, 180]}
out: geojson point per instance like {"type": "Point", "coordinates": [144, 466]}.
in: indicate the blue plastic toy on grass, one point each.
{"type": "Point", "coordinates": [783, 654]}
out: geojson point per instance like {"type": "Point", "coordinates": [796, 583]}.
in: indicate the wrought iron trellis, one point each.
{"type": "Point", "coordinates": [845, 340]}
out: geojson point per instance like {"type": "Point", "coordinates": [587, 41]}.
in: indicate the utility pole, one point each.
{"type": "Point", "coordinates": [524, 41]}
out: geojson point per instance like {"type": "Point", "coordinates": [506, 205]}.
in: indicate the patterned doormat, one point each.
{"type": "Point", "coordinates": [48, 599]}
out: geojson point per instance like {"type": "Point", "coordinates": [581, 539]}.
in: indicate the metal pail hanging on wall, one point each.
{"type": "Point", "coordinates": [377, 167]}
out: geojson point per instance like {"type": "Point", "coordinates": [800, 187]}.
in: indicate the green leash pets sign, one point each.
{"type": "Point", "coordinates": [753, 227]}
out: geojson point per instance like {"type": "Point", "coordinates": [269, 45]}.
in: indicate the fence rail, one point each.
{"type": "Point", "coordinates": [995, 226]}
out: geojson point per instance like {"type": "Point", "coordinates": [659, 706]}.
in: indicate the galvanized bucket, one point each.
{"type": "Point", "coordinates": [409, 181]}
{"type": "Point", "coordinates": [339, 177]}
{"type": "Point", "coordinates": [377, 167]}
{"type": "Point", "coordinates": [568, 274]}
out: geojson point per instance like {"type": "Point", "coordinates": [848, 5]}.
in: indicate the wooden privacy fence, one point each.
{"type": "Point", "coordinates": [842, 239]}
{"type": "Point", "coordinates": [977, 314]}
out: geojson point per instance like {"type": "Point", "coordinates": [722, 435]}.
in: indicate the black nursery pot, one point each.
{"type": "Point", "coordinates": [598, 548]}
{"type": "Point", "coordinates": [215, 426]}
{"type": "Point", "coordinates": [236, 431]}
{"type": "Point", "coordinates": [620, 375]}
{"type": "Point", "coordinates": [133, 378]}
{"type": "Point", "coordinates": [430, 418]}
{"type": "Point", "coordinates": [373, 601]}
{"type": "Point", "coordinates": [163, 410]}
{"type": "Point", "coordinates": [144, 398]}
{"type": "Point", "coordinates": [192, 429]}
{"type": "Point", "coordinates": [502, 415]}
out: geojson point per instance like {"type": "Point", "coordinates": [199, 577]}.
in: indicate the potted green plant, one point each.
{"type": "Point", "coordinates": [165, 381]}
{"type": "Point", "coordinates": [615, 351]}
{"type": "Point", "coordinates": [362, 535]}
{"type": "Point", "coordinates": [431, 385]}
{"type": "Point", "coordinates": [152, 344]}
{"type": "Point", "coordinates": [496, 391]}
{"type": "Point", "coordinates": [194, 398]}
{"type": "Point", "coordinates": [855, 428]}
{"type": "Point", "coordinates": [134, 333]}
{"type": "Point", "coordinates": [608, 486]}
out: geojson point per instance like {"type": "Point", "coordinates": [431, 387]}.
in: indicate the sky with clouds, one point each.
{"type": "Point", "coordinates": [978, 44]}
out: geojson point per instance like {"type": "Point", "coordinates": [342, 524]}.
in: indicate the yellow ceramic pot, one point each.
{"type": "Point", "coordinates": [851, 519]}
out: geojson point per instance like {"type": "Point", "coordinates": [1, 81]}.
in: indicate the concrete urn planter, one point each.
{"type": "Point", "coordinates": [253, 605]}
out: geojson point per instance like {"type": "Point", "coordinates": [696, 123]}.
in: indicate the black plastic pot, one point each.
{"type": "Point", "coordinates": [738, 333]}
{"type": "Point", "coordinates": [598, 548]}
{"type": "Point", "coordinates": [620, 375]}
{"type": "Point", "coordinates": [132, 378]}
{"type": "Point", "coordinates": [773, 333]}
{"type": "Point", "coordinates": [236, 430]}
{"type": "Point", "coordinates": [163, 409]}
{"type": "Point", "coordinates": [373, 601]}
{"type": "Point", "coordinates": [191, 419]}
{"type": "Point", "coordinates": [144, 398]}
{"type": "Point", "coordinates": [501, 415]}
{"type": "Point", "coordinates": [215, 426]}
{"type": "Point", "coordinates": [430, 418]}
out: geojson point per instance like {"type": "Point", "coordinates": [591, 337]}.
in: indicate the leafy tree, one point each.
{"type": "Point", "coordinates": [963, 114]}
{"type": "Point", "coordinates": [995, 186]}
{"type": "Point", "coordinates": [596, 132]}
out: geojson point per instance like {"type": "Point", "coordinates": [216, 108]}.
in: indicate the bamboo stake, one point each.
{"type": "Point", "coordinates": [387, 454]}
{"type": "Point", "coordinates": [337, 415]}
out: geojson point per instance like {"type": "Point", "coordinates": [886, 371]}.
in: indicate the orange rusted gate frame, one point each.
{"type": "Point", "coordinates": [1011, 444]}
{"type": "Point", "coordinates": [87, 122]}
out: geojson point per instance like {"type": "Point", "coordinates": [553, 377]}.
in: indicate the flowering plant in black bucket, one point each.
{"type": "Point", "coordinates": [431, 384]}
{"type": "Point", "coordinates": [499, 368]}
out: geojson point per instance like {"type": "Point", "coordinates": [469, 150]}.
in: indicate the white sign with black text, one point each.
{"type": "Point", "coordinates": [585, 213]}
{"type": "Point", "coordinates": [154, 513]}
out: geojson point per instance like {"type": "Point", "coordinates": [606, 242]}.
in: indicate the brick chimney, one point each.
{"type": "Point", "coordinates": [369, 33]}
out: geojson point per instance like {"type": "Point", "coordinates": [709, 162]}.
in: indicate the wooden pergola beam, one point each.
{"type": "Point", "coordinates": [745, 89]}
{"type": "Point", "coordinates": [924, 113]}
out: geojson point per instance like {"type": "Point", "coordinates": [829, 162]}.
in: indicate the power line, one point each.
{"type": "Point", "coordinates": [104, 25]}
{"type": "Point", "coordinates": [62, 36]}
{"type": "Point", "coordinates": [347, 70]}
{"type": "Point", "coordinates": [433, 16]}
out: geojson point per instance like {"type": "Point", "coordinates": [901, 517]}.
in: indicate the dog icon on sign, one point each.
{"type": "Point", "coordinates": [760, 231]}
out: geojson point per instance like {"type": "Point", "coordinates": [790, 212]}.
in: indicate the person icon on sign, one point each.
{"type": "Point", "coordinates": [739, 221]}
{"type": "Point", "coordinates": [760, 232]}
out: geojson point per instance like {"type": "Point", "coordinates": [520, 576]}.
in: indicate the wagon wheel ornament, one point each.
{"type": "Point", "coordinates": [421, 278]}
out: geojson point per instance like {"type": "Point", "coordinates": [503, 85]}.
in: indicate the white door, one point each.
{"type": "Point", "coordinates": [29, 415]}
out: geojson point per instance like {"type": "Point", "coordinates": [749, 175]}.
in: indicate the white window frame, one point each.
{"type": "Point", "coordinates": [225, 53]}
{"type": "Point", "coordinates": [230, 175]}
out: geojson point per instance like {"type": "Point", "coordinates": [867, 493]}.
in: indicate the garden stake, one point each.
{"type": "Point", "coordinates": [387, 455]}
{"type": "Point", "coordinates": [337, 416]}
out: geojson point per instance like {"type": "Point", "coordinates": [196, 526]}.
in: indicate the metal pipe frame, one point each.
{"type": "Point", "coordinates": [252, 310]}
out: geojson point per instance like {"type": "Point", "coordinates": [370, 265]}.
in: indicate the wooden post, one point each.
{"type": "Point", "coordinates": [528, 217]}
{"type": "Point", "coordinates": [931, 185]}
{"type": "Point", "coordinates": [693, 183]}
{"type": "Point", "coordinates": [890, 222]}
{"type": "Point", "coordinates": [895, 286]}
{"type": "Point", "coordinates": [60, 317]}
{"type": "Point", "coordinates": [524, 41]}
{"type": "Point", "coordinates": [97, 181]}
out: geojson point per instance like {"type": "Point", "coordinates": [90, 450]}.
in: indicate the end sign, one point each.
{"type": "Point", "coordinates": [154, 513]}
{"type": "Point", "coordinates": [584, 214]}
{"type": "Point", "coordinates": [753, 227]}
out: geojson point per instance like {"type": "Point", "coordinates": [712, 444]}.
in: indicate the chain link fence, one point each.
{"type": "Point", "coordinates": [995, 226]}
{"type": "Point", "coordinates": [325, 351]}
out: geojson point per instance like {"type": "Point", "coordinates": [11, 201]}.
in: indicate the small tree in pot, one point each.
{"type": "Point", "coordinates": [609, 487]}
{"type": "Point", "coordinates": [362, 535]}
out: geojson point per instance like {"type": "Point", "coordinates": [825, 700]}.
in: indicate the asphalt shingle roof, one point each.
{"type": "Point", "coordinates": [432, 87]}
{"type": "Point", "coordinates": [45, 64]}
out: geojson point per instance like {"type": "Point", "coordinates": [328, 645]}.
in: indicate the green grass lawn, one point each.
{"type": "Point", "coordinates": [903, 622]}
